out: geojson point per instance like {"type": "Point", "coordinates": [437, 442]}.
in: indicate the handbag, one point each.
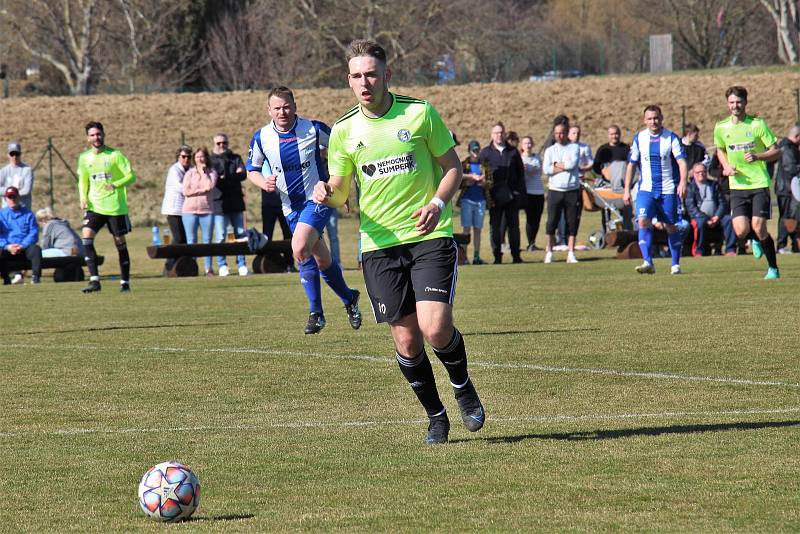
{"type": "Point", "coordinates": [502, 194]}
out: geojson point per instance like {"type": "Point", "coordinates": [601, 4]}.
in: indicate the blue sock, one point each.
{"type": "Point", "coordinates": [335, 280]}
{"type": "Point", "coordinates": [675, 243]}
{"type": "Point", "coordinates": [309, 277]}
{"type": "Point", "coordinates": [646, 242]}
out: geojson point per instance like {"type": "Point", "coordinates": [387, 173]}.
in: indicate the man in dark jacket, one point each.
{"type": "Point", "coordinates": [506, 193]}
{"type": "Point", "coordinates": [706, 205]}
{"type": "Point", "coordinates": [787, 168]}
{"type": "Point", "coordinates": [229, 200]}
{"type": "Point", "coordinates": [19, 235]}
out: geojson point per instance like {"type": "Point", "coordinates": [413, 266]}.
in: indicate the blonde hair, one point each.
{"type": "Point", "coordinates": [45, 214]}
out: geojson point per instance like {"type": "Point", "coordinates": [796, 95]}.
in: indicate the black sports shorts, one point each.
{"type": "Point", "coordinates": [400, 276]}
{"type": "Point", "coordinates": [751, 203]}
{"type": "Point", "coordinates": [117, 224]}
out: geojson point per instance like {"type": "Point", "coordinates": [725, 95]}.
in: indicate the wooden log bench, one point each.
{"type": "Point", "coordinates": [65, 268]}
{"type": "Point", "coordinates": [627, 243]}
{"type": "Point", "coordinates": [274, 257]}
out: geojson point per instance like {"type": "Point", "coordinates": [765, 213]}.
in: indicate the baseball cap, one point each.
{"type": "Point", "coordinates": [14, 147]}
{"type": "Point", "coordinates": [11, 192]}
{"type": "Point", "coordinates": [474, 145]}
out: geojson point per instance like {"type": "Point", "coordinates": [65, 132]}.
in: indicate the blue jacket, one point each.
{"type": "Point", "coordinates": [18, 227]}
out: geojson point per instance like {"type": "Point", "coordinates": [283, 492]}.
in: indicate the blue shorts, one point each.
{"type": "Point", "coordinates": [312, 214]}
{"type": "Point", "coordinates": [472, 213]}
{"type": "Point", "coordinates": [662, 207]}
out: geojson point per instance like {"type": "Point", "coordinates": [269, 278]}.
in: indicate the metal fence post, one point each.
{"type": "Point", "coordinates": [50, 170]}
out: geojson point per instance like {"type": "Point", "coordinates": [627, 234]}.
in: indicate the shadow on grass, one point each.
{"type": "Point", "coordinates": [119, 327]}
{"type": "Point", "coordinates": [533, 331]}
{"type": "Point", "coordinates": [229, 517]}
{"type": "Point", "coordinates": [637, 432]}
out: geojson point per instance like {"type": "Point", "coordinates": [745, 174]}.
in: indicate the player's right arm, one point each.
{"type": "Point", "coordinates": [336, 190]}
{"type": "Point", "coordinates": [727, 168]}
{"type": "Point", "coordinates": [633, 160]}
{"type": "Point", "coordinates": [83, 184]}
{"type": "Point", "coordinates": [258, 164]}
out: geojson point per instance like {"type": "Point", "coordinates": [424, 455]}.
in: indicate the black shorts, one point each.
{"type": "Point", "coordinates": [751, 203]}
{"type": "Point", "coordinates": [568, 203]}
{"type": "Point", "coordinates": [788, 207]}
{"type": "Point", "coordinates": [118, 225]}
{"type": "Point", "coordinates": [400, 276]}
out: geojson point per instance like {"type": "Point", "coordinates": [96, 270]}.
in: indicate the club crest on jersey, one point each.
{"type": "Point", "coordinates": [404, 135]}
{"type": "Point", "coordinates": [388, 167]}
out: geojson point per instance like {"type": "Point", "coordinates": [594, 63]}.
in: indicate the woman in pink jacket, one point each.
{"type": "Point", "coordinates": [198, 210]}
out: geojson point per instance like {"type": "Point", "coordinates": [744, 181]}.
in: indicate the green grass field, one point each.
{"type": "Point", "coordinates": [615, 402]}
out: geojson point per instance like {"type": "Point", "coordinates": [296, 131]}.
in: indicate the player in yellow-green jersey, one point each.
{"type": "Point", "coordinates": [402, 157]}
{"type": "Point", "coordinates": [744, 145]}
{"type": "Point", "coordinates": [104, 174]}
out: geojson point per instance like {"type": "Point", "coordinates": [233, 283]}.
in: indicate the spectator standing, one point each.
{"type": "Point", "coordinates": [17, 174]}
{"type": "Point", "coordinates": [744, 145]}
{"type": "Point", "coordinates": [172, 205]}
{"type": "Point", "coordinates": [272, 212]}
{"type": "Point", "coordinates": [788, 168]}
{"type": "Point", "coordinates": [332, 227]}
{"type": "Point", "coordinates": [104, 174]}
{"type": "Point", "coordinates": [695, 150]}
{"type": "Point", "coordinates": [614, 150]}
{"type": "Point", "coordinates": [472, 198]}
{"type": "Point", "coordinates": [198, 204]}
{"type": "Point", "coordinates": [561, 165]}
{"type": "Point", "coordinates": [19, 236]}
{"type": "Point", "coordinates": [586, 160]}
{"type": "Point", "coordinates": [508, 188]}
{"type": "Point", "coordinates": [610, 162]}
{"type": "Point", "coordinates": [658, 154]}
{"type": "Point", "coordinates": [708, 210]}
{"type": "Point", "coordinates": [229, 199]}
{"type": "Point", "coordinates": [534, 188]}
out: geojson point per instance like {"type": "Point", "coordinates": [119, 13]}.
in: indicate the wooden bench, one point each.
{"type": "Point", "coordinates": [274, 257]}
{"type": "Point", "coordinates": [66, 268]}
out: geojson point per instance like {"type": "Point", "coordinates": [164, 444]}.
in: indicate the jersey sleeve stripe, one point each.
{"type": "Point", "coordinates": [347, 115]}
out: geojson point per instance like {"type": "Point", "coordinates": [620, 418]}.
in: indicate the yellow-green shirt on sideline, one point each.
{"type": "Point", "coordinates": [95, 170]}
{"type": "Point", "coordinates": [393, 160]}
{"type": "Point", "coordinates": [749, 135]}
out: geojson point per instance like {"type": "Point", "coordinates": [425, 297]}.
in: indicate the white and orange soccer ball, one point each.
{"type": "Point", "coordinates": [169, 491]}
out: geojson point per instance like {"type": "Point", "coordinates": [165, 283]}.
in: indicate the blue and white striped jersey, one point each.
{"type": "Point", "coordinates": [657, 157]}
{"type": "Point", "coordinates": [294, 157]}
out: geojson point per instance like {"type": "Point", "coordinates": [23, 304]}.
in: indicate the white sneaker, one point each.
{"type": "Point", "coordinates": [571, 258]}
{"type": "Point", "coordinates": [18, 279]}
{"type": "Point", "coordinates": [675, 269]}
{"type": "Point", "coordinates": [646, 268]}
{"type": "Point", "coordinates": [548, 257]}
{"type": "Point", "coordinates": [223, 270]}
{"type": "Point", "coordinates": [243, 270]}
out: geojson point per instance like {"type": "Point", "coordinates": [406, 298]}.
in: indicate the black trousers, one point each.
{"type": "Point", "coordinates": [533, 216]}
{"type": "Point", "coordinates": [178, 232]}
{"type": "Point", "coordinates": [34, 255]}
{"type": "Point", "coordinates": [271, 214]}
{"type": "Point", "coordinates": [784, 207]}
{"type": "Point", "coordinates": [511, 215]}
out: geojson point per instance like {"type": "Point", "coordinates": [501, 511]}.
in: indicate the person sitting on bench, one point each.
{"type": "Point", "coordinates": [19, 235]}
{"type": "Point", "coordinates": [58, 237]}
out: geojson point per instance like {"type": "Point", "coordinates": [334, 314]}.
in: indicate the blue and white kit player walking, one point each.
{"type": "Point", "coordinates": [658, 154]}
{"type": "Point", "coordinates": [288, 155]}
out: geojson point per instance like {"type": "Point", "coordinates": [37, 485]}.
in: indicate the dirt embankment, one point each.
{"type": "Point", "coordinates": [149, 128]}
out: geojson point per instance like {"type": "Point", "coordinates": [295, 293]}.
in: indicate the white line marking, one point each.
{"type": "Point", "coordinates": [473, 363]}
{"type": "Point", "coordinates": [545, 419]}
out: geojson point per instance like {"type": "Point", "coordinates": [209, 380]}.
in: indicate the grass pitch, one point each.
{"type": "Point", "coordinates": [615, 402]}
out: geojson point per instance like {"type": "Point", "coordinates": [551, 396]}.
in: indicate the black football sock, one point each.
{"type": "Point", "coordinates": [454, 358]}
{"type": "Point", "coordinates": [124, 262]}
{"type": "Point", "coordinates": [91, 258]}
{"type": "Point", "coordinates": [768, 246]}
{"type": "Point", "coordinates": [419, 373]}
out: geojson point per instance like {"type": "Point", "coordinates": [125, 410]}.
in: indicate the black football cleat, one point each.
{"type": "Point", "coordinates": [353, 311]}
{"type": "Point", "coordinates": [471, 408]}
{"type": "Point", "coordinates": [94, 285]}
{"type": "Point", "coordinates": [316, 322]}
{"type": "Point", "coordinates": [124, 287]}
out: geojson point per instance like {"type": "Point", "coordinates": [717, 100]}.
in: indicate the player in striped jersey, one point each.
{"type": "Point", "coordinates": [658, 154]}
{"type": "Point", "coordinates": [287, 156]}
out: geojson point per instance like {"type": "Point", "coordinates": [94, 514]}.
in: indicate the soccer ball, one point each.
{"type": "Point", "coordinates": [169, 491]}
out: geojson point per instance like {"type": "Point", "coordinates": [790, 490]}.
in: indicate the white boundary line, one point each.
{"type": "Point", "coordinates": [473, 363]}
{"type": "Point", "coordinates": [554, 419]}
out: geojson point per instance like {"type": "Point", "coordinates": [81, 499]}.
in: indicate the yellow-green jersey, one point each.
{"type": "Point", "coordinates": [95, 170]}
{"type": "Point", "coordinates": [748, 135]}
{"type": "Point", "coordinates": [393, 158]}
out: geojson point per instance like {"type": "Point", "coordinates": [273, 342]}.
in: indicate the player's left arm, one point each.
{"type": "Point", "coordinates": [683, 172]}
{"type": "Point", "coordinates": [124, 171]}
{"type": "Point", "coordinates": [770, 154]}
{"type": "Point", "coordinates": [428, 215]}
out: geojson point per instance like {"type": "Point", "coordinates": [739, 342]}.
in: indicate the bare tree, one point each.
{"type": "Point", "coordinates": [63, 33]}
{"type": "Point", "coordinates": [787, 23]}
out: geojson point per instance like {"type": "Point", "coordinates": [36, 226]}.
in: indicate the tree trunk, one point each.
{"type": "Point", "coordinates": [787, 25]}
